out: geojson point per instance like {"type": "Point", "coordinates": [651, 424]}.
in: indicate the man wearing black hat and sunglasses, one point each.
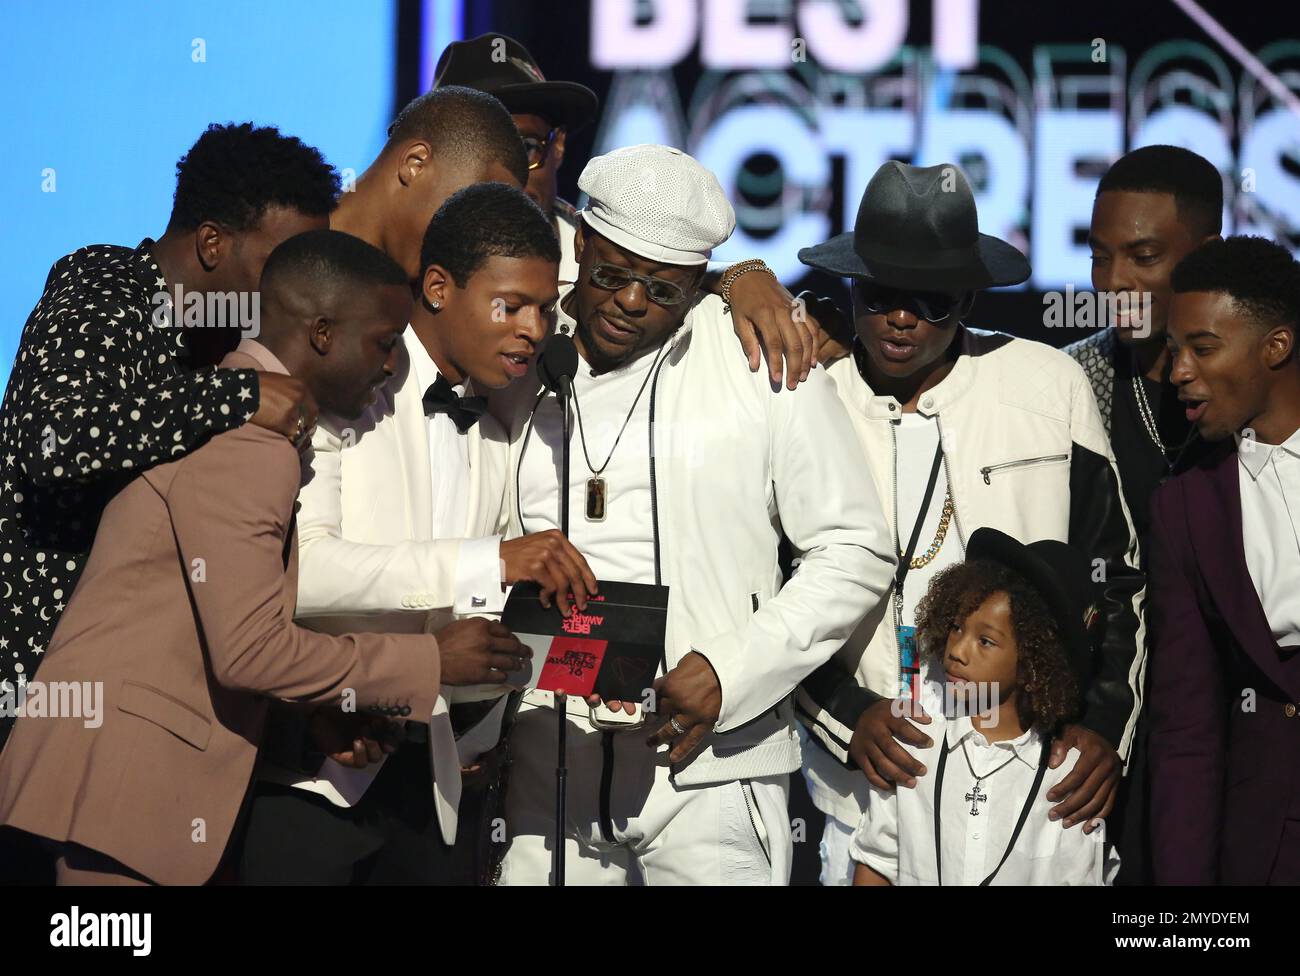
{"type": "Point", "coordinates": [963, 428]}
{"type": "Point", "coordinates": [545, 112]}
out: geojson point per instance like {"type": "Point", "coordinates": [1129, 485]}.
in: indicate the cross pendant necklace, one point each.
{"type": "Point", "coordinates": [975, 797]}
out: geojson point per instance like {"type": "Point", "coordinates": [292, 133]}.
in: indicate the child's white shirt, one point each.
{"type": "Point", "coordinates": [896, 835]}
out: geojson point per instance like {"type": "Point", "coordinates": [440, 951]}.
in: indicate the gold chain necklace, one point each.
{"type": "Point", "coordinates": [945, 517]}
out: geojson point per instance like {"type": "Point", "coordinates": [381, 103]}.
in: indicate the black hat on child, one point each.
{"type": "Point", "coordinates": [1063, 577]}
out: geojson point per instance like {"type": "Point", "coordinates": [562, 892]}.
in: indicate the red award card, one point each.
{"type": "Point", "coordinates": [572, 664]}
{"type": "Point", "coordinates": [613, 649]}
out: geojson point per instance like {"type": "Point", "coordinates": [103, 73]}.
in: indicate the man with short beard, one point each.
{"type": "Point", "coordinates": [1225, 571]}
{"type": "Point", "coordinates": [687, 468]}
{"type": "Point", "coordinates": [765, 316]}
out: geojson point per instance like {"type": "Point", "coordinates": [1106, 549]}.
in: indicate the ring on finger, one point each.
{"type": "Point", "coordinates": [677, 727]}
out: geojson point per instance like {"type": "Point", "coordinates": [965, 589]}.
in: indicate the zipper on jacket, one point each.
{"type": "Point", "coordinates": [753, 824]}
{"type": "Point", "coordinates": [986, 471]}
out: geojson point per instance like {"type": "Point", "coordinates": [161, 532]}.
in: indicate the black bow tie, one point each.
{"type": "Point", "coordinates": [464, 411]}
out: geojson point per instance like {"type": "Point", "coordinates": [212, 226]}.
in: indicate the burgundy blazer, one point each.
{"type": "Point", "coordinates": [1225, 724]}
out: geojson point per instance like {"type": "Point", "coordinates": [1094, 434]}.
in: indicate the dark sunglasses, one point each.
{"type": "Point", "coordinates": [933, 306]}
{"type": "Point", "coordinates": [659, 291]}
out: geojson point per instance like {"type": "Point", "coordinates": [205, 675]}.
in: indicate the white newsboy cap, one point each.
{"type": "Point", "coordinates": [656, 202]}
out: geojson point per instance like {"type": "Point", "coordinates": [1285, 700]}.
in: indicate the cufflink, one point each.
{"type": "Point", "coordinates": [478, 601]}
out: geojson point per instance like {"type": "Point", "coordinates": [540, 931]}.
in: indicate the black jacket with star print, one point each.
{"type": "Point", "coordinates": [98, 393]}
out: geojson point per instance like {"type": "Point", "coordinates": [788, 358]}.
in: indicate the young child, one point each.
{"type": "Point", "coordinates": [1008, 632]}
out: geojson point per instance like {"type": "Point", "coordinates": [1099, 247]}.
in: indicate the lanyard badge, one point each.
{"type": "Point", "coordinates": [909, 664]}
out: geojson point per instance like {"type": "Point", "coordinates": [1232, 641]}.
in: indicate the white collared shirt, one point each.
{"type": "Point", "coordinates": [478, 566]}
{"type": "Point", "coordinates": [1269, 476]}
{"type": "Point", "coordinates": [896, 834]}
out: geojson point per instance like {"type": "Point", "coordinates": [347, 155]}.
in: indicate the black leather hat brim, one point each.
{"type": "Point", "coordinates": [999, 264]}
{"type": "Point", "coordinates": [564, 103]}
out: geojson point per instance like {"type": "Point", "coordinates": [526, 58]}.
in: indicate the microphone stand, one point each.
{"type": "Point", "coordinates": [561, 700]}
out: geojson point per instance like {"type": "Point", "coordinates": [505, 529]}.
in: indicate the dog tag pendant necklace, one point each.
{"type": "Point", "coordinates": [597, 501]}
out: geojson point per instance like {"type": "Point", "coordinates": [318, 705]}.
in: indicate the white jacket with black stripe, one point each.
{"type": "Point", "coordinates": [1025, 452]}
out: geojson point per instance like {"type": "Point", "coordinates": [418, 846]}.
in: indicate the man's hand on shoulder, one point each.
{"type": "Point", "coordinates": [875, 745]}
{"type": "Point", "coordinates": [768, 321]}
{"type": "Point", "coordinates": [285, 406]}
{"type": "Point", "coordinates": [1088, 792]}
{"type": "Point", "coordinates": [832, 330]}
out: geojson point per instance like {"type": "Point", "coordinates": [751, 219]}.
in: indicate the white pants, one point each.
{"type": "Point", "coordinates": [735, 833]}
{"type": "Point", "coordinates": [837, 866]}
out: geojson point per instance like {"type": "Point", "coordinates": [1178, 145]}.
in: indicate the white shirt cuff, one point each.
{"type": "Point", "coordinates": [478, 577]}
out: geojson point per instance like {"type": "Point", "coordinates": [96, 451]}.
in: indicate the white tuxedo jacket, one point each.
{"type": "Point", "coordinates": [368, 558]}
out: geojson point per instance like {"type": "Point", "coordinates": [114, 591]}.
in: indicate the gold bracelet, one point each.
{"type": "Point", "coordinates": [735, 271]}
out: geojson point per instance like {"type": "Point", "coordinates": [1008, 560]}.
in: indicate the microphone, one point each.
{"type": "Point", "coordinates": [556, 366]}
{"type": "Point", "coordinates": [557, 363]}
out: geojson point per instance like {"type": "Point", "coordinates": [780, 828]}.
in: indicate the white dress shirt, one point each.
{"type": "Point", "coordinates": [896, 834]}
{"type": "Point", "coordinates": [1269, 476]}
{"type": "Point", "coordinates": [478, 567]}
{"type": "Point", "coordinates": [622, 546]}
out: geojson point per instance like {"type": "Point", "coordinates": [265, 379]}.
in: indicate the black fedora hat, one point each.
{"type": "Point", "coordinates": [1063, 576]}
{"type": "Point", "coordinates": [917, 228]}
{"type": "Point", "coordinates": [501, 66]}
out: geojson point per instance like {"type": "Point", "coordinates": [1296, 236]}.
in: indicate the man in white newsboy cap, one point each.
{"type": "Point", "coordinates": [686, 470]}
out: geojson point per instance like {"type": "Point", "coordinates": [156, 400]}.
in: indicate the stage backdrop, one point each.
{"type": "Point", "coordinates": [102, 98]}
{"type": "Point", "coordinates": [792, 104]}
